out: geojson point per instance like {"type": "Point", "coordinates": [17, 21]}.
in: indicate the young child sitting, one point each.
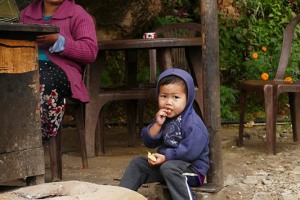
{"type": "Point", "coordinates": [180, 137]}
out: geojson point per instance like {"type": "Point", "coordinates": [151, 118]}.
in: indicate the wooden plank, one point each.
{"type": "Point", "coordinates": [148, 44]}
{"type": "Point", "coordinates": [17, 56]}
{"type": "Point", "coordinates": [18, 31]}
{"type": "Point", "coordinates": [22, 164]}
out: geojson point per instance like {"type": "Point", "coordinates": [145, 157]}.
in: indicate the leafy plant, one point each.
{"type": "Point", "coordinates": [113, 74]}
{"type": "Point", "coordinates": [260, 23]}
{"type": "Point", "coordinates": [253, 67]}
{"type": "Point", "coordinates": [228, 101]}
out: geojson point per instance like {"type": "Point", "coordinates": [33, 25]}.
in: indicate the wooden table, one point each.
{"type": "Point", "coordinates": [21, 149]}
{"type": "Point", "coordinates": [163, 47]}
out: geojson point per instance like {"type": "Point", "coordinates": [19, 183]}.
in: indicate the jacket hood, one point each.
{"type": "Point", "coordinates": [188, 81]}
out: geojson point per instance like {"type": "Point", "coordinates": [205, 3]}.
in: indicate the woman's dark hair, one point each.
{"type": "Point", "coordinates": [172, 79]}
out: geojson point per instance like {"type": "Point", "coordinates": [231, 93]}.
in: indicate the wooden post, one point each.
{"type": "Point", "coordinates": [211, 112]}
{"type": "Point", "coordinates": [21, 149]}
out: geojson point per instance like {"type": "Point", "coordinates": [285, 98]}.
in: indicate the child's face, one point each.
{"type": "Point", "coordinates": [173, 98]}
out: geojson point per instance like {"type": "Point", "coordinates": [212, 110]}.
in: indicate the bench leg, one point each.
{"type": "Point", "coordinates": [131, 106]}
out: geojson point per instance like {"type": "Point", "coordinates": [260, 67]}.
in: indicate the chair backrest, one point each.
{"type": "Point", "coordinates": [288, 37]}
{"type": "Point", "coordinates": [178, 30]}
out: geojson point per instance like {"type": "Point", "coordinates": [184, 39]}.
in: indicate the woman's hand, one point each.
{"type": "Point", "coordinates": [47, 40]}
{"type": "Point", "coordinates": [160, 159]}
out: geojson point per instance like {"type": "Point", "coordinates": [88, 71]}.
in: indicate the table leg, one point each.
{"type": "Point", "coordinates": [92, 109]}
{"type": "Point", "coordinates": [131, 59]}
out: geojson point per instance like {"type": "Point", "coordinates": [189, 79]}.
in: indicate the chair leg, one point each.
{"type": "Point", "coordinates": [243, 96]}
{"type": "Point", "coordinates": [55, 157]}
{"type": "Point", "coordinates": [79, 118]}
{"type": "Point", "coordinates": [294, 100]}
{"type": "Point", "coordinates": [271, 117]}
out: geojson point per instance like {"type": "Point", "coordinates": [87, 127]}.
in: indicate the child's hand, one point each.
{"type": "Point", "coordinates": [160, 159]}
{"type": "Point", "coordinates": [160, 119]}
{"type": "Point", "coordinates": [161, 116]}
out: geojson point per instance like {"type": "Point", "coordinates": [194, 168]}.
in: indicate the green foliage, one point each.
{"type": "Point", "coordinates": [113, 74]}
{"type": "Point", "coordinates": [228, 103]}
{"type": "Point", "coordinates": [260, 24]}
{"type": "Point", "coordinates": [264, 63]}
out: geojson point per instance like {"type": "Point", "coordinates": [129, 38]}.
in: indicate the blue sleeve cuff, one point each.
{"type": "Point", "coordinates": [59, 45]}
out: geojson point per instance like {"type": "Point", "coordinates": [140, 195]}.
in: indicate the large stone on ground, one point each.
{"type": "Point", "coordinates": [72, 190]}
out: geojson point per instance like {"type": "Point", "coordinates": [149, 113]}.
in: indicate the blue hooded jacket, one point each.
{"type": "Point", "coordinates": [193, 146]}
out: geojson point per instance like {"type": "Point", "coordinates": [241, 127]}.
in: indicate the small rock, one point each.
{"type": "Point", "coordinates": [251, 180]}
{"type": "Point", "coordinates": [296, 170]}
{"type": "Point", "coordinates": [261, 196]}
{"type": "Point", "coordinates": [229, 180]}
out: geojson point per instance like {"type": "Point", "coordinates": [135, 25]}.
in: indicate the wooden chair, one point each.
{"type": "Point", "coordinates": [271, 90]}
{"type": "Point", "coordinates": [179, 59]}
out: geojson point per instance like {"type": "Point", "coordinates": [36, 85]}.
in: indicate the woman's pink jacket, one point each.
{"type": "Point", "coordinates": [81, 47]}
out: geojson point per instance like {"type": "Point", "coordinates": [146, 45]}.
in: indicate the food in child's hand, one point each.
{"type": "Point", "coordinates": [151, 156]}
{"type": "Point", "coordinates": [168, 111]}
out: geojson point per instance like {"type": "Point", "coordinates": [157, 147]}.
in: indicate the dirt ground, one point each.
{"type": "Point", "coordinates": [249, 173]}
